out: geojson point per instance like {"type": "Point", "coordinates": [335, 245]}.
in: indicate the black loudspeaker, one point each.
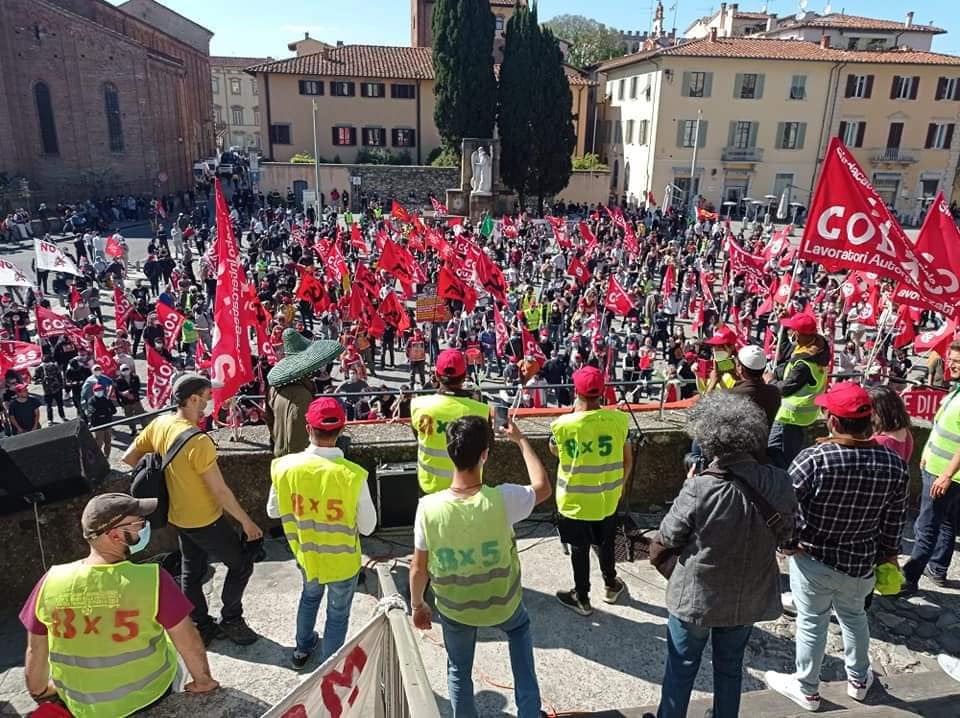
{"type": "Point", "coordinates": [49, 464]}
{"type": "Point", "coordinates": [395, 492]}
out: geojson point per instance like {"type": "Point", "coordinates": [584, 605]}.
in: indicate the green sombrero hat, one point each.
{"type": "Point", "coordinates": [301, 357]}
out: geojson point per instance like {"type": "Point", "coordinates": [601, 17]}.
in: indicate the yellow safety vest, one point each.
{"type": "Point", "coordinates": [473, 564]}
{"type": "Point", "coordinates": [318, 501]}
{"type": "Point", "coordinates": [590, 472]}
{"type": "Point", "coordinates": [798, 409]}
{"type": "Point", "coordinates": [429, 417]}
{"type": "Point", "coordinates": [109, 657]}
{"type": "Point", "coordinates": [944, 441]}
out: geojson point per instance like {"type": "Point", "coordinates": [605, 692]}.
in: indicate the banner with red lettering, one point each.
{"type": "Point", "coordinates": [160, 375]}
{"type": "Point", "coordinates": [53, 259]}
{"type": "Point", "coordinates": [938, 244]}
{"type": "Point", "coordinates": [19, 355]}
{"type": "Point", "coordinates": [346, 682]}
{"type": "Point", "coordinates": [923, 403]}
{"type": "Point", "coordinates": [850, 226]}
{"type": "Point", "coordinates": [172, 322]}
{"type": "Point", "coordinates": [231, 364]}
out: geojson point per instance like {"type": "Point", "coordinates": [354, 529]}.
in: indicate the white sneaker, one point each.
{"type": "Point", "coordinates": [788, 686]}
{"type": "Point", "coordinates": [950, 665]}
{"type": "Point", "coordinates": [857, 690]}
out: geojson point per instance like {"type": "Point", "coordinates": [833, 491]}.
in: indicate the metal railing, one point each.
{"type": "Point", "coordinates": [741, 154]}
{"type": "Point", "coordinates": [405, 690]}
{"type": "Point", "coordinates": [894, 154]}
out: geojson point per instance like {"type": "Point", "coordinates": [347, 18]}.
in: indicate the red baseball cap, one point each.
{"type": "Point", "coordinates": [451, 362]}
{"type": "Point", "coordinates": [588, 381]}
{"type": "Point", "coordinates": [725, 336]}
{"type": "Point", "coordinates": [848, 400]}
{"type": "Point", "coordinates": [801, 323]}
{"type": "Point", "coordinates": [326, 414]}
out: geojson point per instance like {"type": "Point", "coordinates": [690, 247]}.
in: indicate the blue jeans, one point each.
{"type": "Point", "coordinates": [339, 602]}
{"type": "Point", "coordinates": [816, 588]}
{"type": "Point", "coordinates": [935, 531]}
{"type": "Point", "coordinates": [461, 641]}
{"type": "Point", "coordinates": [785, 442]}
{"type": "Point", "coordinates": [685, 644]}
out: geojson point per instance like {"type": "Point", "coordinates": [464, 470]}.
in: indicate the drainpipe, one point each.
{"type": "Point", "coordinates": [266, 94]}
{"type": "Point", "coordinates": [419, 138]}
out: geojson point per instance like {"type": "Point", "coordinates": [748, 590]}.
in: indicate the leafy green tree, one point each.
{"type": "Point", "coordinates": [535, 115]}
{"type": "Point", "coordinates": [590, 41]}
{"type": "Point", "coordinates": [465, 86]}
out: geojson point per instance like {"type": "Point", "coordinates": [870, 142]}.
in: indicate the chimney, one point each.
{"type": "Point", "coordinates": [909, 22]}
{"type": "Point", "coordinates": [325, 52]}
{"type": "Point", "coordinates": [771, 21]}
{"type": "Point", "coordinates": [713, 34]}
{"type": "Point", "coordinates": [306, 35]}
{"type": "Point", "coordinates": [733, 9]}
{"type": "Point", "coordinates": [825, 41]}
{"type": "Point", "coordinates": [339, 43]}
{"type": "Point", "coordinates": [723, 11]}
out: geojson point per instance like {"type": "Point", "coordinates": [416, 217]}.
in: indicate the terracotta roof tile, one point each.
{"type": "Point", "coordinates": [858, 22]}
{"type": "Point", "coordinates": [358, 61]}
{"type": "Point", "coordinates": [751, 15]}
{"type": "Point", "coordinates": [761, 48]}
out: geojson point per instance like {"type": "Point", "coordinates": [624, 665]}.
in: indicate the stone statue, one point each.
{"type": "Point", "coordinates": [482, 165]}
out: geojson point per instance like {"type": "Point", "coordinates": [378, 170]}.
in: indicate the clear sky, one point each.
{"type": "Point", "coordinates": [254, 28]}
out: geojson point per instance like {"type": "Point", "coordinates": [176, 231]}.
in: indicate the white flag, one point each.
{"type": "Point", "coordinates": [12, 276]}
{"type": "Point", "coordinates": [50, 257]}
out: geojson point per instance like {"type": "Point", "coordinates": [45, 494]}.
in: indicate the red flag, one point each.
{"type": "Point", "coordinates": [335, 266]}
{"type": "Point", "coordinates": [651, 200]}
{"type": "Point", "coordinates": [360, 308]}
{"type": "Point", "coordinates": [450, 286]}
{"type": "Point", "coordinates": [938, 244]}
{"type": "Point", "coordinates": [454, 221]}
{"type": "Point", "coordinates": [500, 326]}
{"type": "Point", "coordinates": [706, 279]}
{"type": "Point", "coordinates": [394, 313]}
{"type": "Point", "coordinates": [491, 277]}
{"type": "Point", "coordinates": [531, 348]}
{"type": "Point", "coordinates": [669, 280]}
{"type": "Point", "coordinates": [705, 216]}
{"type": "Point", "coordinates": [160, 375]}
{"type": "Point", "coordinates": [356, 238]}
{"type": "Point", "coordinates": [366, 279]}
{"type": "Point", "coordinates": [172, 322]}
{"type": "Point", "coordinates": [438, 207]}
{"type": "Point", "coordinates": [629, 238]}
{"type": "Point", "coordinates": [19, 355]}
{"type": "Point", "coordinates": [201, 355]}
{"type": "Point", "coordinates": [104, 357]}
{"type": "Point", "coordinates": [742, 262]}
{"type": "Point", "coordinates": [938, 340]}
{"type": "Point", "coordinates": [870, 310]}
{"type": "Point", "coordinates": [696, 309]}
{"type": "Point", "coordinates": [74, 296]}
{"type": "Point", "coordinates": [785, 291]}
{"type": "Point", "coordinates": [51, 324]}
{"type": "Point", "coordinates": [850, 226]}
{"type": "Point", "coordinates": [121, 308]}
{"type": "Point", "coordinates": [616, 299]}
{"type": "Point", "coordinates": [508, 229]}
{"type": "Point", "coordinates": [397, 261]}
{"type": "Point", "coordinates": [588, 236]}
{"type": "Point", "coordinates": [579, 271]}
{"type": "Point", "coordinates": [399, 213]}
{"type": "Point", "coordinates": [161, 210]}
{"type": "Point", "coordinates": [769, 342]}
{"type": "Point", "coordinates": [903, 331]}
{"type": "Point", "coordinates": [232, 365]}
{"type": "Point", "coordinates": [113, 247]}
{"type": "Point", "coordinates": [310, 289]}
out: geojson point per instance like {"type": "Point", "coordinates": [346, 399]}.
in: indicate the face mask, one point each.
{"type": "Point", "coordinates": [143, 538]}
{"type": "Point", "coordinates": [208, 409]}
{"type": "Point", "coordinates": [720, 354]}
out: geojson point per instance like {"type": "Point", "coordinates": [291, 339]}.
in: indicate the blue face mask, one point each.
{"type": "Point", "coordinates": [143, 540]}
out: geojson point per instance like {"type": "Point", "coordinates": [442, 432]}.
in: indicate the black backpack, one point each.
{"type": "Point", "coordinates": [149, 481]}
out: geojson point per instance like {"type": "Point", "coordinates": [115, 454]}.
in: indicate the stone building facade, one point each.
{"type": "Point", "coordinates": [96, 100]}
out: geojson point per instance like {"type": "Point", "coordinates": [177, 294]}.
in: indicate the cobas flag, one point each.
{"type": "Point", "coordinates": [172, 322]}
{"type": "Point", "coordinates": [160, 375]}
{"type": "Point", "coordinates": [231, 363]}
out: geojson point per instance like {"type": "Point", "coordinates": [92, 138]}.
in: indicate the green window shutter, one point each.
{"type": "Point", "coordinates": [731, 133]}
{"type": "Point", "coordinates": [801, 135]}
{"type": "Point", "coordinates": [685, 86]}
{"type": "Point", "coordinates": [738, 86]}
{"type": "Point", "coordinates": [754, 128]}
{"type": "Point", "coordinates": [680, 124]}
{"type": "Point", "coordinates": [780, 132]}
{"type": "Point", "coordinates": [707, 84]}
{"type": "Point", "coordinates": [759, 92]}
{"type": "Point", "coordinates": [703, 134]}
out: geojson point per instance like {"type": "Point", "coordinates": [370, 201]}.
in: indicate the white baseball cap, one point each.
{"type": "Point", "coordinates": [752, 357]}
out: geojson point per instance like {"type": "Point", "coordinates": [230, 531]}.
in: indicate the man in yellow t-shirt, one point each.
{"type": "Point", "coordinates": [198, 498]}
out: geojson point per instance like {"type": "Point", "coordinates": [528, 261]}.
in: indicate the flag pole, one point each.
{"type": "Point", "coordinates": [693, 166]}
{"type": "Point", "coordinates": [881, 328]}
{"type": "Point", "coordinates": [793, 280]}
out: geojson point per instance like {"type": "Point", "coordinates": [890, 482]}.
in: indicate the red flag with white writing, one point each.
{"type": "Point", "coordinates": [579, 271]}
{"type": "Point", "coordinates": [937, 340]}
{"type": "Point", "coordinates": [397, 261]}
{"type": "Point", "coordinates": [491, 277]}
{"type": "Point", "coordinates": [938, 244]}
{"type": "Point", "coordinates": [669, 280]}
{"type": "Point", "coordinates": [114, 248]}
{"type": "Point", "coordinates": [50, 324]}
{"type": "Point", "coordinates": [356, 238]}
{"type": "Point", "coordinates": [172, 322]}
{"type": "Point", "coordinates": [438, 207]}
{"type": "Point", "coordinates": [122, 307]}
{"type": "Point", "coordinates": [588, 236]}
{"type": "Point", "coordinates": [232, 364]}
{"type": "Point", "coordinates": [450, 286]}
{"type": "Point", "coordinates": [850, 225]}
{"type": "Point", "coordinates": [500, 327]}
{"type": "Point", "coordinates": [531, 347]}
{"type": "Point", "coordinates": [19, 355]}
{"type": "Point", "coordinates": [160, 375]}
{"type": "Point", "coordinates": [616, 299]}
{"type": "Point", "coordinates": [903, 331]}
{"type": "Point", "coordinates": [104, 357]}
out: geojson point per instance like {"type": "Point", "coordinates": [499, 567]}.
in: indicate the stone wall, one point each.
{"type": "Point", "coordinates": [246, 467]}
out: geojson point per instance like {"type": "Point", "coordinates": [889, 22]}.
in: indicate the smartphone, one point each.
{"type": "Point", "coordinates": [500, 416]}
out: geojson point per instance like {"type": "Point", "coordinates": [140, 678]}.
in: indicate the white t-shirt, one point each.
{"type": "Point", "coordinates": [519, 501]}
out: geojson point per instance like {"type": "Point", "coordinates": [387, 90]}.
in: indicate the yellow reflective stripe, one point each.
{"type": "Point", "coordinates": [589, 489]}
{"type": "Point", "coordinates": [480, 604]}
{"type": "Point", "coordinates": [311, 525]}
{"type": "Point", "coordinates": [310, 547]}
{"type": "Point", "coordinates": [110, 661]}
{"type": "Point", "coordinates": [115, 694]}
{"type": "Point", "coordinates": [475, 579]}
{"type": "Point", "coordinates": [443, 473]}
{"type": "Point", "coordinates": [948, 435]}
{"type": "Point", "coordinates": [591, 468]}
{"type": "Point", "coordinates": [436, 453]}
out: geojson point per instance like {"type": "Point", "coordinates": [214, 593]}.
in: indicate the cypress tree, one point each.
{"type": "Point", "coordinates": [465, 87]}
{"type": "Point", "coordinates": [535, 117]}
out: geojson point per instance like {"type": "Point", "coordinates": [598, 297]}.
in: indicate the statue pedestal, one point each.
{"type": "Point", "coordinates": [458, 202]}
{"type": "Point", "coordinates": [481, 202]}
{"type": "Point", "coordinates": [463, 201]}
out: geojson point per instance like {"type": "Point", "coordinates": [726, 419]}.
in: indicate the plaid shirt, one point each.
{"type": "Point", "coordinates": [851, 505]}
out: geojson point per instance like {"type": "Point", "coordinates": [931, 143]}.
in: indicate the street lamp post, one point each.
{"type": "Point", "coordinates": [693, 164]}
{"type": "Point", "coordinates": [316, 167]}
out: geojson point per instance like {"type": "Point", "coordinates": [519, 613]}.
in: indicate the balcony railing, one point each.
{"type": "Point", "coordinates": [894, 154]}
{"type": "Point", "coordinates": [741, 154]}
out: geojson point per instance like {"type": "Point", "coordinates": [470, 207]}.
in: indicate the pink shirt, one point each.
{"type": "Point", "coordinates": [903, 449]}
